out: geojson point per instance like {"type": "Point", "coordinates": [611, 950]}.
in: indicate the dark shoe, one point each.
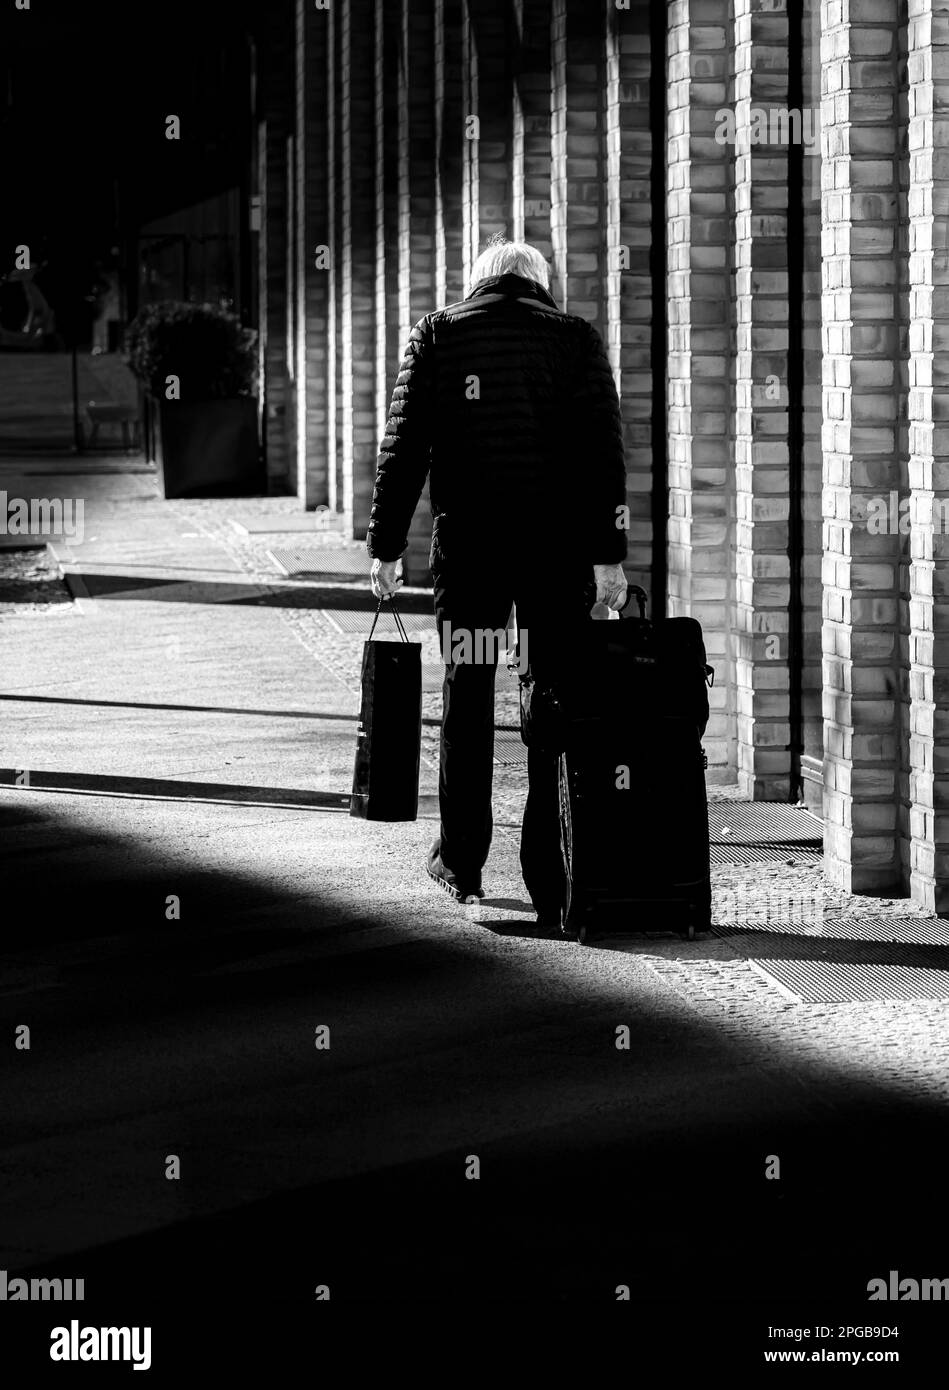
{"type": "Point", "coordinates": [462, 890]}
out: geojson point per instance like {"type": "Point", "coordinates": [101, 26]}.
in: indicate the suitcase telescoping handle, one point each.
{"type": "Point", "coordinates": [640, 599]}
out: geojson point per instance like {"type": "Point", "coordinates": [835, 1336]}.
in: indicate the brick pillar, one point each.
{"type": "Point", "coordinates": [386, 63]}
{"type": "Point", "coordinates": [760, 612]}
{"type": "Point", "coordinates": [275, 59]}
{"type": "Point", "coordinates": [357, 260]}
{"type": "Point", "coordinates": [531, 134]}
{"type": "Point", "coordinates": [470, 158]}
{"type": "Point", "coordinates": [449, 158]}
{"type": "Point", "coordinates": [558, 151]}
{"type": "Point", "coordinates": [629, 305]}
{"type": "Point", "coordinates": [493, 35]}
{"type": "Point", "coordinates": [698, 179]}
{"type": "Point", "coordinates": [861, 408]}
{"type": "Point", "coordinates": [578, 163]}
{"type": "Point", "coordinates": [517, 125]}
{"type": "Point", "coordinates": [928, 414]}
{"type": "Point", "coordinates": [314, 309]}
{"type": "Point", "coordinates": [812, 500]}
{"type": "Point", "coordinates": [416, 221]}
{"type": "Point", "coordinates": [335, 326]}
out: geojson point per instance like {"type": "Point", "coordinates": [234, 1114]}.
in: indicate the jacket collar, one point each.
{"type": "Point", "coordinates": [517, 285]}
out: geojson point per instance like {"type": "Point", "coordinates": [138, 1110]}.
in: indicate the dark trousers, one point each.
{"type": "Point", "coordinates": [550, 608]}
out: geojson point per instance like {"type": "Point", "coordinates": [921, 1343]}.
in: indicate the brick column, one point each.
{"type": "Point", "coordinates": [698, 179]}
{"type": "Point", "coordinates": [493, 35]}
{"type": "Point", "coordinates": [861, 408]}
{"type": "Point", "coordinates": [578, 164]}
{"type": "Point", "coordinates": [275, 246]}
{"type": "Point", "coordinates": [449, 154]}
{"type": "Point", "coordinates": [629, 305]}
{"type": "Point", "coordinates": [928, 413]}
{"type": "Point", "coordinates": [334, 217]}
{"type": "Point", "coordinates": [470, 157]}
{"type": "Point", "coordinates": [357, 266]}
{"type": "Point", "coordinates": [531, 135]}
{"type": "Point", "coordinates": [416, 222]}
{"type": "Point", "coordinates": [314, 309]}
{"type": "Point", "coordinates": [760, 612]}
{"type": "Point", "coordinates": [386, 64]}
{"type": "Point", "coordinates": [812, 500]}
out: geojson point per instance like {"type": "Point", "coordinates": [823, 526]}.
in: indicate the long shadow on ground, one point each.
{"type": "Point", "coordinates": [598, 1167]}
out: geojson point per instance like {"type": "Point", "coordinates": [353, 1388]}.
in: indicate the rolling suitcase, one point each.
{"type": "Point", "coordinates": [633, 812]}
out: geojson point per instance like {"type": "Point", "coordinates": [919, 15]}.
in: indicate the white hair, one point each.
{"type": "Point", "coordinates": [510, 258]}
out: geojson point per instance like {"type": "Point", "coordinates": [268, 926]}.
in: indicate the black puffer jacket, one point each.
{"type": "Point", "coordinates": [512, 406]}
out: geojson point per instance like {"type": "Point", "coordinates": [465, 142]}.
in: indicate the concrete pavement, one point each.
{"type": "Point", "coordinates": [188, 729]}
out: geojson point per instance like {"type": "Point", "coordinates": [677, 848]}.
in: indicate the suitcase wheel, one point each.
{"type": "Point", "coordinates": [586, 935]}
{"type": "Point", "coordinates": [588, 926]}
{"type": "Point", "coordinates": [699, 919]}
{"type": "Point", "coordinates": [579, 920]}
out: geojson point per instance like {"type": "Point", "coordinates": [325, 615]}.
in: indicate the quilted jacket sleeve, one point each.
{"type": "Point", "coordinates": [598, 432]}
{"type": "Point", "coordinates": [405, 451]}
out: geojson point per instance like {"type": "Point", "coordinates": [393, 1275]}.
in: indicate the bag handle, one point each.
{"type": "Point", "coordinates": [640, 593]}
{"type": "Point", "coordinates": [395, 613]}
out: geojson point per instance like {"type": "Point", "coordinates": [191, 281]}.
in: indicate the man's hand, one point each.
{"type": "Point", "coordinates": [384, 577]}
{"type": "Point", "coordinates": [610, 585]}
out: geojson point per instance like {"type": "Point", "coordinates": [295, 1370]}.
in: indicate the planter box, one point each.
{"type": "Point", "coordinates": [205, 448]}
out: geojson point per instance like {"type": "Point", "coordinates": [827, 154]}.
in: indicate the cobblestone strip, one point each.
{"type": "Point", "coordinates": [902, 1045]}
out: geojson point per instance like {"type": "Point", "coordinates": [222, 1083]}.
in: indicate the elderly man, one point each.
{"type": "Point", "coordinates": [510, 407]}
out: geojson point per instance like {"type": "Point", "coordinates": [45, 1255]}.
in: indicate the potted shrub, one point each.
{"type": "Point", "coordinates": [197, 366]}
